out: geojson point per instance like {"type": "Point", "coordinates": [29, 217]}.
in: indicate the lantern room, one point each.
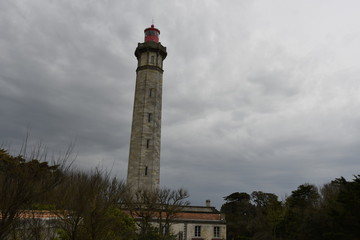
{"type": "Point", "coordinates": [152, 34]}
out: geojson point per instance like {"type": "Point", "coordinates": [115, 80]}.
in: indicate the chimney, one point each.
{"type": "Point", "coordinates": [207, 202]}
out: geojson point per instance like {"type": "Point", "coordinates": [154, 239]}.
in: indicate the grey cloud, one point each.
{"type": "Point", "coordinates": [256, 96]}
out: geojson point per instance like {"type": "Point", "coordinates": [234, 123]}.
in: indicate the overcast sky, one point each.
{"type": "Point", "coordinates": [258, 95]}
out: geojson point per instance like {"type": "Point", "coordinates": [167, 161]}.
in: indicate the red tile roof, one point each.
{"type": "Point", "coordinates": [39, 214]}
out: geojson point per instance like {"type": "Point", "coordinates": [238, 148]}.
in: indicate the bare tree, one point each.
{"type": "Point", "coordinates": [171, 202]}
{"type": "Point", "coordinates": [88, 207]}
{"type": "Point", "coordinates": [22, 183]}
{"type": "Point", "coordinates": [142, 207]}
{"type": "Point", "coordinates": [69, 199]}
{"type": "Point", "coordinates": [156, 209]}
{"type": "Point", "coordinates": [32, 227]}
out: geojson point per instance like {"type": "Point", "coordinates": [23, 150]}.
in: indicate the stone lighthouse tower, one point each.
{"type": "Point", "coordinates": [144, 156]}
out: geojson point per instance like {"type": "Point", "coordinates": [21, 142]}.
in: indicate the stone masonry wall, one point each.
{"type": "Point", "coordinates": [144, 157]}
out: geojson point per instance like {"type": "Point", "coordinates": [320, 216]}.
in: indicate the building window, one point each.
{"type": "Point", "coordinates": [197, 231]}
{"type": "Point", "coordinates": [150, 116]}
{"type": "Point", "coordinates": [151, 92]}
{"type": "Point", "coordinates": [216, 232]}
{"type": "Point", "coordinates": [181, 236]}
{"type": "Point", "coordinates": [152, 59]}
{"type": "Point", "coordinates": [147, 143]}
{"type": "Point", "coordinates": [146, 171]}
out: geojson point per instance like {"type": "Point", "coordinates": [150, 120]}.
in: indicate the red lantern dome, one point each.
{"type": "Point", "coordinates": [152, 34]}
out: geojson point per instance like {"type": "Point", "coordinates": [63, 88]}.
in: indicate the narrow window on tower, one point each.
{"type": "Point", "coordinates": [147, 143]}
{"type": "Point", "coordinates": [146, 171]}
{"type": "Point", "coordinates": [152, 59]}
{"type": "Point", "coordinates": [150, 116]}
{"type": "Point", "coordinates": [151, 92]}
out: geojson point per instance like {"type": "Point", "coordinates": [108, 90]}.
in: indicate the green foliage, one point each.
{"type": "Point", "coordinates": [151, 233]}
{"type": "Point", "coordinates": [305, 196]}
{"type": "Point", "coordinates": [120, 226]}
{"type": "Point", "coordinates": [333, 212]}
{"type": "Point", "coordinates": [61, 235]}
{"type": "Point", "coordinates": [88, 207]}
{"type": "Point", "coordinates": [22, 183]}
{"type": "Point", "coordinates": [237, 197]}
{"type": "Point", "coordinates": [86, 204]}
{"type": "Point", "coordinates": [239, 211]}
{"type": "Point", "coordinates": [255, 216]}
{"type": "Point", "coordinates": [345, 212]}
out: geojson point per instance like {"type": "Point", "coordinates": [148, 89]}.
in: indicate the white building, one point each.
{"type": "Point", "coordinates": [199, 223]}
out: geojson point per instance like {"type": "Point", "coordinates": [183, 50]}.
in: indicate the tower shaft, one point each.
{"type": "Point", "coordinates": [145, 142]}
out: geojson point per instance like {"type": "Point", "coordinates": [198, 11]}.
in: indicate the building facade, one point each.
{"type": "Point", "coordinates": [144, 157]}
{"type": "Point", "coordinates": [199, 223]}
{"type": "Point", "coordinates": [192, 223]}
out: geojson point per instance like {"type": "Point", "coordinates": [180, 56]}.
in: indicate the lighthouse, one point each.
{"type": "Point", "coordinates": [145, 142]}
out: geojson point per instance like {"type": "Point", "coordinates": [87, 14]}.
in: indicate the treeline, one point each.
{"type": "Point", "coordinates": [328, 213]}
{"type": "Point", "coordinates": [42, 201]}
{"type": "Point", "coordinates": [95, 206]}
